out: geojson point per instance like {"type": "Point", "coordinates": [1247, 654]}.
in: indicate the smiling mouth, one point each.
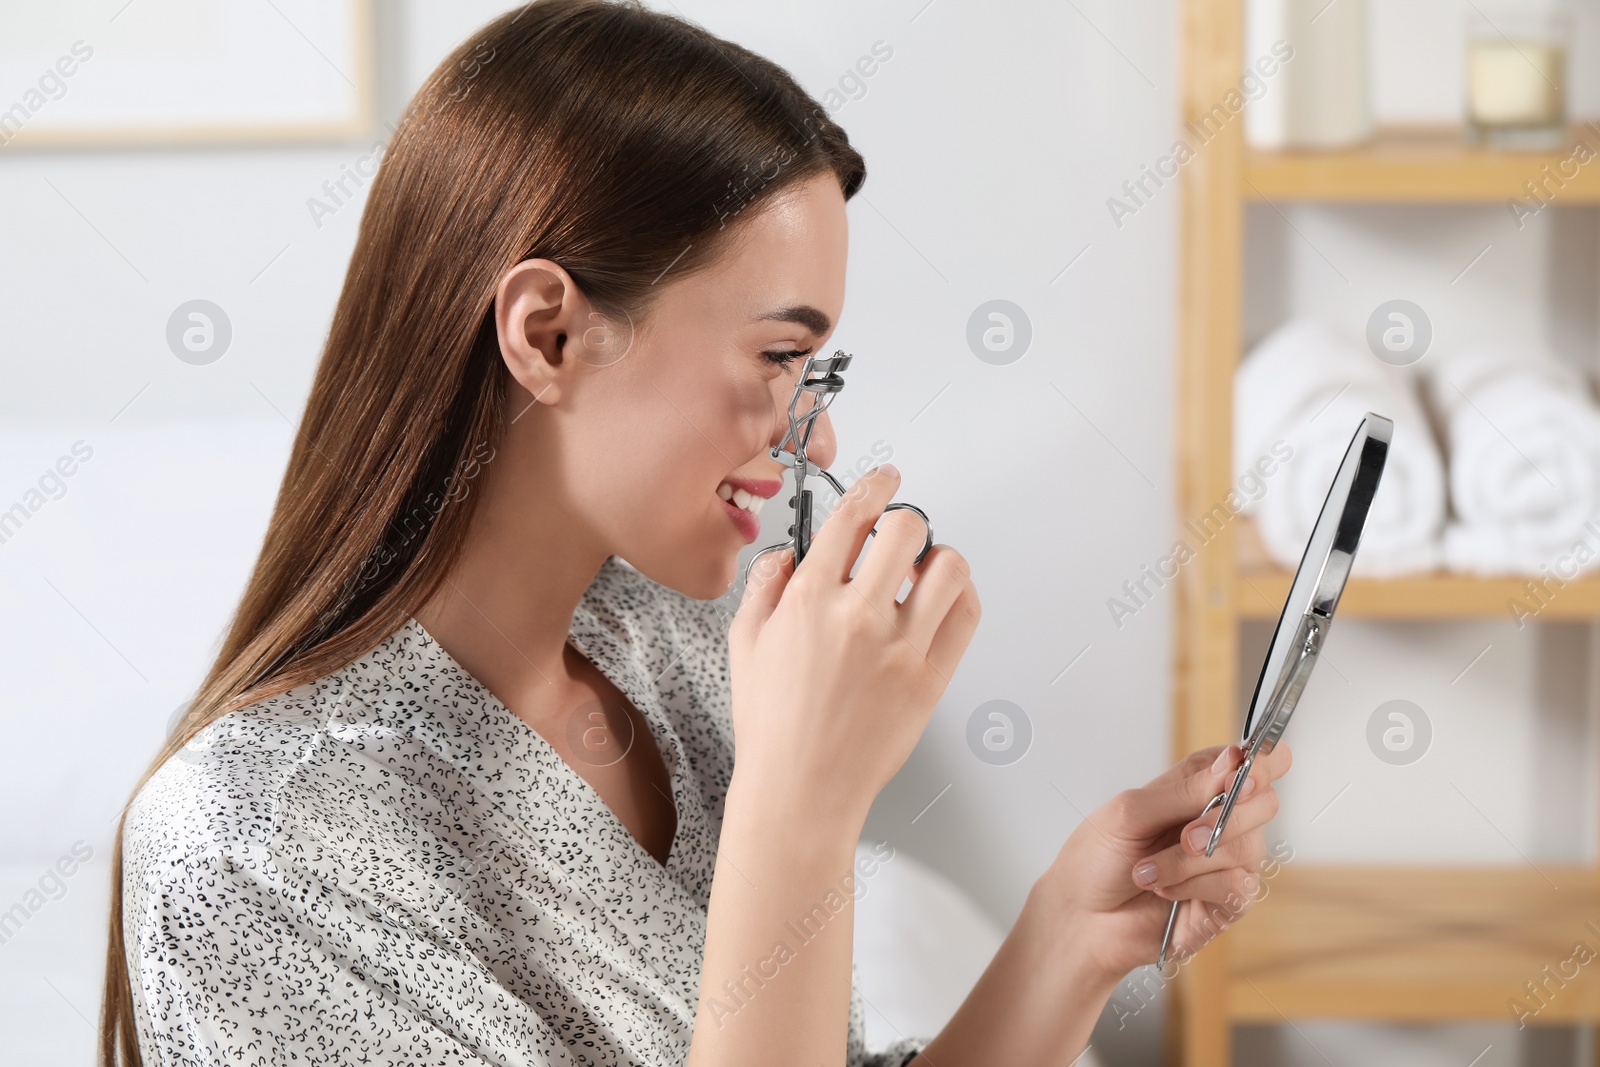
{"type": "Point", "coordinates": [749, 493]}
{"type": "Point", "coordinates": [739, 498]}
{"type": "Point", "coordinates": [742, 499]}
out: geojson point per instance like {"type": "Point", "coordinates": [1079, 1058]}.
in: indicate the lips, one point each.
{"type": "Point", "coordinates": [766, 488]}
{"type": "Point", "coordinates": [748, 523]}
{"type": "Point", "coordinates": [742, 499]}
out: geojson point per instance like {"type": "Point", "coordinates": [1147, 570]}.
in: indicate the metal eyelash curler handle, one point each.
{"type": "Point", "coordinates": [821, 378]}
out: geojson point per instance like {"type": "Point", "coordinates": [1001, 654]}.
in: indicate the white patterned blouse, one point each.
{"type": "Point", "coordinates": [387, 866]}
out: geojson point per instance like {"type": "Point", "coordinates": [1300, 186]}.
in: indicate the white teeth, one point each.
{"type": "Point", "coordinates": [739, 498]}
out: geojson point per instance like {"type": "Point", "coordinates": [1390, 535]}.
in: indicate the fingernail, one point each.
{"type": "Point", "coordinates": [890, 469]}
{"type": "Point", "coordinates": [1145, 874]}
{"type": "Point", "coordinates": [1222, 760]}
{"type": "Point", "coordinates": [1248, 787]}
{"type": "Point", "coordinates": [1198, 838]}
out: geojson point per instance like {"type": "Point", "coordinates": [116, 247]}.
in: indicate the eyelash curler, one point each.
{"type": "Point", "coordinates": [820, 378]}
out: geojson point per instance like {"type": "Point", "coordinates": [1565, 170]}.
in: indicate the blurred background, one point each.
{"type": "Point", "coordinates": [1123, 276]}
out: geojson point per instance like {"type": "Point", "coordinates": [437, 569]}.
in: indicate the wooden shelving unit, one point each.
{"type": "Point", "coordinates": [1377, 942]}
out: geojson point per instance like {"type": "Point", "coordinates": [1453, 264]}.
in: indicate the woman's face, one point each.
{"type": "Point", "coordinates": [640, 434]}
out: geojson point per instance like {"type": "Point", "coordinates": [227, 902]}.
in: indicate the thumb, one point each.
{"type": "Point", "coordinates": [769, 576]}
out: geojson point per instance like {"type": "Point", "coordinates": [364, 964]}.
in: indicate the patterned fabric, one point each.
{"type": "Point", "coordinates": [387, 866]}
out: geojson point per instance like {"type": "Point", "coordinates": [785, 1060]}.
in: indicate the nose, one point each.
{"type": "Point", "coordinates": [822, 447]}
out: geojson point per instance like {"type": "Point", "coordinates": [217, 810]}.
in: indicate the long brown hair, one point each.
{"type": "Point", "coordinates": [616, 141]}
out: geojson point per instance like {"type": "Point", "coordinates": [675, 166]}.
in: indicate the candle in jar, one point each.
{"type": "Point", "coordinates": [1516, 83]}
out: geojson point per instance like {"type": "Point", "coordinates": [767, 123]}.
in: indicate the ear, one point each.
{"type": "Point", "coordinates": [535, 308]}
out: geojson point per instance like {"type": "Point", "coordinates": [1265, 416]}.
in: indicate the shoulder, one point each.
{"type": "Point", "coordinates": [220, 792]}
{"type": "Point", "coordinates": [270, 786]}
{"type": "Point", "coordinates": [280, 797]}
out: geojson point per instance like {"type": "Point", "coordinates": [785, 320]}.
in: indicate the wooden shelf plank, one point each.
{"type": "Point", "coordinates": [1418, 943]}
{"type": "Point", "coordinates": [1262, 586]}
{"type": "Point", "coordinates": [1435, 595]}
{"type": "Point", "coordinates": [1427, 164]}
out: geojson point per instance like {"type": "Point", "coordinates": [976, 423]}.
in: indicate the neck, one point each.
{"type": "Point", "coordinates": [506, 605]}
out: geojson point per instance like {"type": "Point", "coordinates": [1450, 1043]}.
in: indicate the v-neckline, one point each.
{"type": "Point", "coordinates": [666, 764]}
{"type": "Point", "coordinates": [646, 897]}
{"type": "Point", "coordinates": [670, 759]}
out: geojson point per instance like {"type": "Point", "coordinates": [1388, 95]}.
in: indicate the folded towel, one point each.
{"type": "Point", "coordinates": [1523, 435]}
{"type": "Point", "coordinates": [1307, 386]}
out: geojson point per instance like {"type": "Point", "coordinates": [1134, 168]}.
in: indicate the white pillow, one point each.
{"type": "Point", "coordinates": [920, 945]}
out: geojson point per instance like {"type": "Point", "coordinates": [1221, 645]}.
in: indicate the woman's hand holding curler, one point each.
{"type": "Point", "coordinates": [832, 685]}
{"type": "Point", "coordinates": [833, 681]}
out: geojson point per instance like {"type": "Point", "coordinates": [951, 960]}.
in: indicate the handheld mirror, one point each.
{"type": "Point", "coordinates": [1307, 613]}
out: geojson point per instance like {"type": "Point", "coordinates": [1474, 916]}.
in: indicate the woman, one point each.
{"type": "Point", "coordinates": [460, 786]}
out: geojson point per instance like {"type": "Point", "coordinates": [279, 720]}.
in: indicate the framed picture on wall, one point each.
{"type": "Point", "coordinates": [90, 73]}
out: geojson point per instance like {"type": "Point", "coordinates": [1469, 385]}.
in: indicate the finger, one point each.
{"type": "Point", "coordinates": [1272, 765]}
{"type": "Point", "coordinates": [1178, 794]}
{"type": "Point", "coordinates": [1255, 809]}
{"type": "Point", "coordinates": [900, 536]}
{"type": "Point", "coordinates": [1176, 863]}
{"type": "Point", "coordinates": [950, 641]}
{"type": "Point", "coordinates": [1200, 922]}
{"type": "Point", "coordinates": [1264, 769]}
{"type": "Point", "coordinates": [936, 582]}
{"type": "Point", "coordinates": [1234, 888]}
{"type": "Point", "coordinates": [769, 576]}
{"type": "Point", "coordinates": [844, 532]}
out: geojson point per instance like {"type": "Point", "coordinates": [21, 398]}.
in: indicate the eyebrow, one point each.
{"type": "Point", "coordinates": [804, 314]}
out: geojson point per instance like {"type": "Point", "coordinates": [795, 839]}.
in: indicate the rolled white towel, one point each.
{"type": "Point", "coordinates": [1307, 386]}
{"type": "Point", "coordinates": [1523, 435]}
